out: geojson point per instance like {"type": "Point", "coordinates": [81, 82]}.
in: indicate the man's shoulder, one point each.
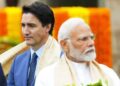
{"type": "Point", "coordinates": [105, 68]}
{"type": "Point", "coordinates": [111, 74]}
{"type": "Point", "coordinates": [108, 71]}
{"type": "Point", "coordinates": [22, 55]}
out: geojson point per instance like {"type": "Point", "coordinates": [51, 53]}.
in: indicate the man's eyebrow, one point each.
{"type": "Point", "coordinates": [81, 36]}
{"type": "Point", "coordinates": [30, 23]}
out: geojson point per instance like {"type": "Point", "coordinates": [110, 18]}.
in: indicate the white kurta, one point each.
{"type": "Point", "coordinates": [46, 76]}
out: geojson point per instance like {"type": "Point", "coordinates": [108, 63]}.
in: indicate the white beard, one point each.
{"type": "Point", "coordinates": [88, 55]}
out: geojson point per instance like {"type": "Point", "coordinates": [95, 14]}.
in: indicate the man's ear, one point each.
{"type": "Point", "coordinates": [64, 45]}
{"type": "Point", "coordinates": [48, 27]}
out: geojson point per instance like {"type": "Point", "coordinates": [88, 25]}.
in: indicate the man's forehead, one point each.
{"type": "Point", "coordinates": [30, 18]}
{"type": "Point", "coordinates": [85, 34]}
{"type": "Point", "coordinates": [81, 30]}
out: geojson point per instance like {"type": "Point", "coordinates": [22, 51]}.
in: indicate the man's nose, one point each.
{"type": "Point", "coordinates": [25, 30]}
{"type": "Point", "coordinates": [90, 42]}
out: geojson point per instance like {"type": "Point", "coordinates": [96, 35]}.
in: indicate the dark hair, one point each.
{"type": "Point", "coordinates": [43, 12]}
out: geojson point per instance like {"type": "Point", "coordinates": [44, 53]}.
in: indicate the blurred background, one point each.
{"type": "Point", "coordinates": [101, 15]}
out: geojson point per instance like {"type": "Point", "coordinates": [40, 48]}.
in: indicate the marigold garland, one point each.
{"type": "Point", "coordinates": [3, 29]}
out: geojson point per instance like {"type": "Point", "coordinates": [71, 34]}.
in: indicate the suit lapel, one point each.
{"type": "Point", "coordinates": [25, 69]}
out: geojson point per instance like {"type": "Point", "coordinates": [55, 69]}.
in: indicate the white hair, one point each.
{"type": "Point", "coordinates": [68, 26]}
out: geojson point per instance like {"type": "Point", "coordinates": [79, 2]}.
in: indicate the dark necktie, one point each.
{"type": "Point", "coordinates": [33, 63]}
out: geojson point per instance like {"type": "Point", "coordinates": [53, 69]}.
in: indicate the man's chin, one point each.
{"type": "Point", "coordinates": [29, 43]}
{"type": "Point", "coordinates": [90, 57]}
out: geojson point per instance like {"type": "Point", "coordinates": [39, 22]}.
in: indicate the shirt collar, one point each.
{"type": "Point", "coordinates": [38, 52]}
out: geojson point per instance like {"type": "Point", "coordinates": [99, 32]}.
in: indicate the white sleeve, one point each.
{"type": "Point", "coordinates": [111, 74]}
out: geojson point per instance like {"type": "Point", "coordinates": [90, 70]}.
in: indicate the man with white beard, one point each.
{"type": "Point", "coordinates": [77, 66]}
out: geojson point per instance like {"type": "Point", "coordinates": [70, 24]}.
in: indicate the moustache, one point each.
{"type": "Point", "coordinates": [27, 36]}
{"type": "Point", "coordinates": [91, 49]}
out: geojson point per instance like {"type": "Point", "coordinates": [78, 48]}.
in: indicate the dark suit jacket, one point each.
{"type": "Point", "coordinates": [2, 77]}
{"type": "Point", "coordinates": [19, 70]}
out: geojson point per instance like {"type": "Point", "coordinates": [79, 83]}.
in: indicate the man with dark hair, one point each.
{"type": "Point", "coordinates": [42, 12]}
{"type": "Point", "coordinates": [37, 25]}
